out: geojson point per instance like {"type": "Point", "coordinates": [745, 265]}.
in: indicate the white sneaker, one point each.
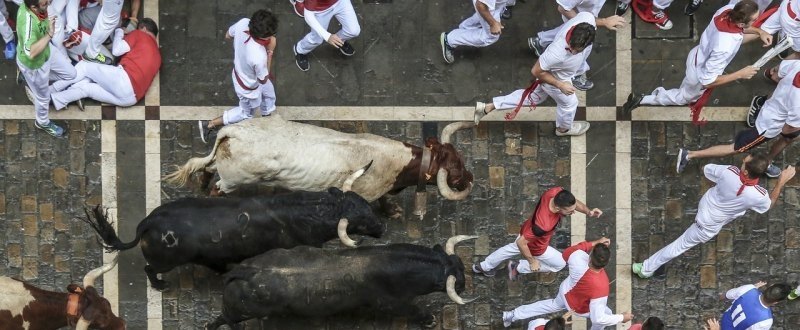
{"type": "Point", "coordinates": [508, 318]}
{"type": "Point", "coordinates": [480, 111]}
{"type": "Point", "coordinates": [578, 128]}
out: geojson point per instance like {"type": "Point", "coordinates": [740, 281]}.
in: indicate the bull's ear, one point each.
{"type": "Point", "coordinates": [335, 191]}
{"type": "Point", "coordinates": [438, 248]}
{"type": "Point", "coordinates": [74, 288]}
{"type": "Point", "coordinates": [431, 141]}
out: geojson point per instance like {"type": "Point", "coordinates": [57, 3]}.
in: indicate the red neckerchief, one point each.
{"type": "Point", "coordinates": [745, 182]}
{"type": "Point", "coordinates": [262, 42]}
{"type": "Point", "coordinates": [796, 81]}
{"type": "Point", "coordinates": [569, 36]}
{"type": "Point", "coordinates": [41, 16]}
{"type": "Point", "coordinates": [724, 24]}
{"type": "Point", "coordinates": [525, 95]}
{"type": "Point", "coordinates": [697, 107]}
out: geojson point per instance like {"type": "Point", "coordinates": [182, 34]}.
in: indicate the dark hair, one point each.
{"type": "Point", "coordinates": [757, 165]}
{"type": "Point", "coordinates": [582, 36]}
{"type": "Point", "coordinates": [653, 323]}
{"type": "Point", "coordinates": [29, 3]}
{"type": "Point", "coordinates": [776, 292]}
{"type": "Point", "coordinates": [556, 323]}
{"type": "Point", "coordinates": [149, 25]}
{"type": "Point", "coordinates": [263, 24]}
{"type": "Point", "coordinates": [600, 255]}
{"type": "Point", "coordinates": [742, 11]}
{"type": "Point", "coordinates": [564, 198]}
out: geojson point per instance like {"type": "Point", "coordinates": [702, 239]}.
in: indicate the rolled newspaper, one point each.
{"type": "Point", "coordinates": [785, 44]}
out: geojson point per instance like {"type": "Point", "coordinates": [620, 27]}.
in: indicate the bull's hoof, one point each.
{"type": "Point", "coordinates": [161, 286]}
{"type": "Point", "coordinates": [429, 323]}
{"type": "Point", "coordinates": [394, 211]}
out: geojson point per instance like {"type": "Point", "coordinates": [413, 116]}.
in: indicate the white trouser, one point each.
{"type": "Point", "coordinates": [262, 97]}
{"type": "Point", "coordinates": [550, 260]}
{"type": "Point", "coordinates": [344, 13]}
{"type": "Point", "coordinates": [106, 23]}
{"type": "Point", "coordinates": [56, 68]}
{"type": "Point", "coordinates": [103, 83]}
{"type": "Point", "coordinates": [548, 306]}
{"type": "Point", "coordinates": [5, 29]}
{"type": "Point", "coordinates": [691, 237]}
{"type": "Point", "coordinates": [511, 3]}
{"type": "Point", "coordinates": [566, 105]}
{"type": "Point", "coordinates": [691, 88]}
{"type": "Point", "coordinates": [662, 4]}
{"type": "Point", "coordinates": [66, 14]}
{"type": "Point", "coordinates": [474, 31]}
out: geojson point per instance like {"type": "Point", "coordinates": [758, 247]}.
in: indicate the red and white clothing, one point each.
{"type": "Point", "coordinates": [637, 326]}
{"type": "Point", "coordinates": [106, 23]}
{"type": "Point", "coordinates": [729, 199]}
{"type": "Point", "coordinates": [718, 45]}
{"type": "Point", "coordinates": [783, 106]}
{"type": "Point", "coordinates": [580, 6]}
{"type": "Point", "coordinates": [475, 31]}
{"type": "Point", "coordinates": [122, 85]}
{"type": "Point", "coordinates": [560, 62]}
{"type": "Point", "coordinates": [537, 230]}
{"type": "Point", "coordinates": [66, 12]}
{"type": "Point", "coordinates": [537, 324]}
{"type": "Point", "coordinates": [250, 75]}
{"type": "Point", "coordinates": [584, 292]}
{"type": "Point", "coordinates": [786, 20]}
{"type": "Point", "coordinates": [318, 15]}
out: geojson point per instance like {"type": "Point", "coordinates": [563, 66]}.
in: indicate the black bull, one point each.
{"type": "Point", "coordinates": [315, 282]}
{"type": "Point", "coordinates": [216, 232]}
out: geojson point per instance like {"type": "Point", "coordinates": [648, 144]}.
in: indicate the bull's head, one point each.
{"type": "Point", "coordinates": [455, 270]}
{"type": "Point", "coordinates": [92, 309]}
{"type": "Point", "coordinates": [452, 177]}
{"type": "Point", "coordinates": [357, 216]}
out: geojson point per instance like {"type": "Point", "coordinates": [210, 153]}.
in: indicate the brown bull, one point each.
{"type": "Point", "coordinates": [24, 306]}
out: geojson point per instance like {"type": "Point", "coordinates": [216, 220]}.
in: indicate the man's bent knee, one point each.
{"type": "Point", "coordinates": [748, 139]}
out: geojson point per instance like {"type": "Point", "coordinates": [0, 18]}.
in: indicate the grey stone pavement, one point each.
{"type": "Point", "coordinates": [47, 182]}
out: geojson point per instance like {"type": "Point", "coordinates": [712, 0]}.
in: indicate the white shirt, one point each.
{"type": "Point", "coordinates": [557, 59]}
{"type": "Point", "coordinates": [492, 4]}
{"type": "Point", "coordinates": [783, 107]}
{"type": "Point", "coordinates": [581, 6]}
{"type": "Point", "coordinates": [249, 59]}
{"type": "Point", "coordinates": [716, 50]}
{"type": "Point", "coordinates": [720, 204]}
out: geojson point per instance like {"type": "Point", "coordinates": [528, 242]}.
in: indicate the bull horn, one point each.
{"type": "Point", "coordinates": [451, 128]}
{"type": "Point", "coordinates": [446, 191]}
{"type": "Point", "coordinates": [83, 324]}
{"type": "Point", "coordinates": [348, 184]}
{"type": "Point", "coordinates": [449, 247]}
{"type": "Point", "coordinates": [451, 292]}
{"type": "Point", "coordinates": [341, 229]}
{"type": "Point", "coordinates": [88, 280]}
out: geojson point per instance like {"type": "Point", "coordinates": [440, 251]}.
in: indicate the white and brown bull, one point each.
{"type": "Point", "coordinates": [24, 306]}
{"type": "Point", "coordinates": [298, 156]}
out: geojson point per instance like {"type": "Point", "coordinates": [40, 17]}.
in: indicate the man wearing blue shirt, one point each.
{"type": "Point", "coordinates": [751, 308]}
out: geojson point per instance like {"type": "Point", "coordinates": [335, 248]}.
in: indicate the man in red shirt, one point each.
{"type": "Point", "coordinates": [584, 292]}
{"type": "Point", "coordinates": [122, 85]}
{"type": "Point", "coordinates": [533, 241]}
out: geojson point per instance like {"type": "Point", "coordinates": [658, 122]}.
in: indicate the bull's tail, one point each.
{"type": "Point", "coordinates": [181, 176]}
{"type": "Point", "coordinates": [97, 218]}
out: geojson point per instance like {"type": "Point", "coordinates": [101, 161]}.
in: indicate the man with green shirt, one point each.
{"type": "Point", "coordinates": [37, 63]}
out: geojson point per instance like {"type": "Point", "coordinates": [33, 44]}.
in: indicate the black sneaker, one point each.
{"type": "Point", "coordinates": [347, 49]}
{"type": "Point", "coordinates": [692, 7]}
{"type": "Point", "coordinates": [633, 102]}
{"type": "Point", "coordinates": [622, 8]}
{"type": "Point", "coordinates": [301, 60]}
{"type": "Point", "coordinates": [755, 107]}
{"type": "Point", "coordinates": [782, 55]}
{"type": "Point", "coordinates": [205, 132]}
{"type": "Point", "coordinates": [683, 159]}
{"type": "Point", "coordinates": [507, 12]}
{"type": "Point", "coordinates": [476, 269]}
{"type": "Point", "coordinates": [20, 78]}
